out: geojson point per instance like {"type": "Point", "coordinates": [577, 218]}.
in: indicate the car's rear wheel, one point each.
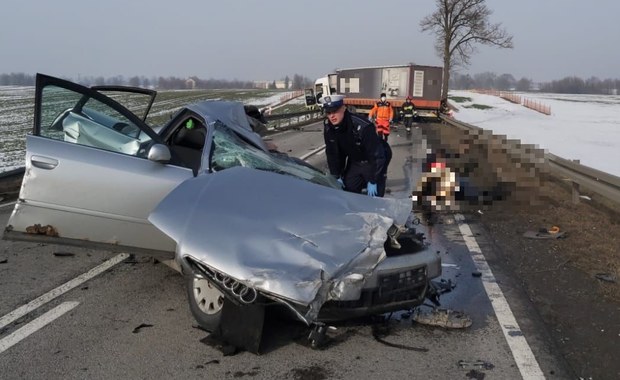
{"type": "Point", "coordinates": [205, 302]}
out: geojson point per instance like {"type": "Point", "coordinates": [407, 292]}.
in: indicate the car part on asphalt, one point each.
{"type": "Point", "coordinates": [544, 233]}
{"type": "Point", "coordinates": [446, 318]}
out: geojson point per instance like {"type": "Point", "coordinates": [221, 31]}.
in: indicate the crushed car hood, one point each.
{"type": "Point", "coordinates": [283, 236]}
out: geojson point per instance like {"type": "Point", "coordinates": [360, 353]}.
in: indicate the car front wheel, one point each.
{"type": "Point", "coordinates": [205, 302]}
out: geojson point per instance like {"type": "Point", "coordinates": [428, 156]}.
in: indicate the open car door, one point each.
{"type": "Point", "coordinates": [311, 101]}
{"type": "Point", "coordinates": [94, 171]}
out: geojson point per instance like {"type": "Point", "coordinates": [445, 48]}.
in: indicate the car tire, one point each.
{"type": "Point", "coordinates": [205, 303]}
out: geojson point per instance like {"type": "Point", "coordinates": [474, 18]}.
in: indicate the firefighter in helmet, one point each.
{"type": "Point", "coordinates": [408, 113]}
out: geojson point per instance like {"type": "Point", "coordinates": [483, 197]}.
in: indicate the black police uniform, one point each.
{"type": "Point", "coordinates": [356, 154]}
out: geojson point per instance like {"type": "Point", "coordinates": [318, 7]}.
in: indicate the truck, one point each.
{"type": "Point", "coordinates": [363, 85]}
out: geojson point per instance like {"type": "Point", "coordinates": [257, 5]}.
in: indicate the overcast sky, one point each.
{"type": "Point", "coordinates": [268, 39]}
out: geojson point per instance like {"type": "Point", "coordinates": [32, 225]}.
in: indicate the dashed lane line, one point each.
{"type": "Point", "coordinates": [521, 351]}
{"type": "Point", "coordinates": [35, 325]}
{"type": "Point", "coordinates": [309, 154]}
{"type": "Point", "coordinates": [54, 293]}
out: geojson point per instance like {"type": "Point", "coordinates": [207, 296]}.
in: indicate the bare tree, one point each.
{"type": "Point", "coordinates": [458, 26]}
{"type": "Point", "coordinates": [524, 84]}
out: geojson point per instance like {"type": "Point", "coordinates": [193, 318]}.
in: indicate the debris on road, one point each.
{"type": "Point", "coordinates": [437, 288]}
{"type": "Point", "coordinates": [478, 364]}
{"type": "Point", "coordinates": [476, 274]}
{"type": "Point", "coordinates": [446, 318]}
{"type": "Point", "coordinates": [607, 277]}
{"type": "Point", "coordinates": [4, 261]}
{"type": "Point", "coordinates": [140, 327]}
{"type": "Point", "coordinates": [213, 340]}
{"type": "Point", "coordinates": [544, 233]}
{"type": "Point", "coordinates": [64, 254]}
{"type": "Point", "coordinates": [382, 330]}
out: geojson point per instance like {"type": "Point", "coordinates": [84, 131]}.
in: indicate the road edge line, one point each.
{"type": "Point", "coordinates": [521, 351]}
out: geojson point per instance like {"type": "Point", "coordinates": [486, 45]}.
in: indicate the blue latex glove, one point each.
{"type": "Point", "coordinates": [372, 189]}
{"type": "Point", "coordinates": [341, 182]}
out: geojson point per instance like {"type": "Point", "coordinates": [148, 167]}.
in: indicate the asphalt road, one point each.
{"type": "Point", "coordinates": [132, 320]}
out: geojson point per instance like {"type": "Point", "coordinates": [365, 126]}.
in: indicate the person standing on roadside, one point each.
{"type": "Point", "coordinates": [356, 155]}
{"type": "Point", "coordinates": [382, 114]}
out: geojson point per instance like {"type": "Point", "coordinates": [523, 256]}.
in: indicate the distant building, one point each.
{"type": "Point", "coordinates": [261, 84]}
{"type": "Point", "coordinates": [190, 83]}
{"type": "Point", "coordinates": [281, 85]}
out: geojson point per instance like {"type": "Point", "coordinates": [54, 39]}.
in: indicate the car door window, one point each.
{"type": "Point", "coordinates": [67, 115]}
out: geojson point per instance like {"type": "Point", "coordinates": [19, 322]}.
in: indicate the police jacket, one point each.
{"type": "Point", "coordinates": [355, 140]}
{"type": "Point", "coordinates": [382, 110]}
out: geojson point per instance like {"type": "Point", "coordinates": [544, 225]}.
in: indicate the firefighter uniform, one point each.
{"type": "Point", "coordinates": [408, 110]}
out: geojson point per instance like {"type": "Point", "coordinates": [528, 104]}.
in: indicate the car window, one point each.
{"type": "Point", "coordinates": [137, 103]}
{"type": "Point", "coordinates": [230, 150]}
{"type": "Point", "coordinates": [65, 116]}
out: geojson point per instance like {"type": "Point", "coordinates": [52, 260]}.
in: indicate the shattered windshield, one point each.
{"type": "Point", "coordinates": [230, 150]}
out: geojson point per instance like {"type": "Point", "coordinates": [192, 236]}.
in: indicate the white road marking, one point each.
{"type": "Point", "coordinates": [317, 150]}
{"type": "Point", "coordinates": [37, 324]}
{"type": "Point", "coordinates": [30, 306]}
{"type": "Point", "coordinates": [521, 351]}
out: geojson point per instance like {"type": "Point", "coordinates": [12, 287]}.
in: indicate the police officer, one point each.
{"type": "Point", "coordinates": [355, 154]}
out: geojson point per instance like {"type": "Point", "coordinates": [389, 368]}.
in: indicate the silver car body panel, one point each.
{"type": "Point", "coordinates": [286, 237]}
{"type": "Point", "coordinates": [93, 194]}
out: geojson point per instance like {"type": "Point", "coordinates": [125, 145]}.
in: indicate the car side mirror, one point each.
{"type": "Point", "coordinates": [159, 153]}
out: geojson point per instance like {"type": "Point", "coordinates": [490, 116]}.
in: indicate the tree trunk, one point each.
{"type": "Point", "coordinates": [446, 71]}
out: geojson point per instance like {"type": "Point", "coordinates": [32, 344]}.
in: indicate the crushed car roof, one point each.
{"type": "Point", "coordinates": [230, 113]}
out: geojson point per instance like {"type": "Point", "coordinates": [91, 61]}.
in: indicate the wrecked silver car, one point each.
{"type": "Point", "coordinates": [249, 228]}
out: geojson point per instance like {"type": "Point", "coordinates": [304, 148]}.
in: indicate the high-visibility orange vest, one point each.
{"type": "Point", "coordinates": [382, 110]}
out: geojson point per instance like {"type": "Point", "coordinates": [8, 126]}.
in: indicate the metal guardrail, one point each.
{"type": "Point", "coordinates": [604, 184]}
{"type": "Point", "coordinates": [279, 122]}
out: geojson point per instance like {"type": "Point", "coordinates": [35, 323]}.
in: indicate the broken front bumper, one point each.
{"type": "Point", "coordinates": [397, 283]}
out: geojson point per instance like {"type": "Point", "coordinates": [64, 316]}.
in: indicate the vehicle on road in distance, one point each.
{"type": "Point", "coordinates": [362, 86]}
{"type": "Point", "coordinates": [248, 227]}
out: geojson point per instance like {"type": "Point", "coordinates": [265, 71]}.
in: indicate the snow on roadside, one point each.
{"type": "Point", "coordinates": [267, 101]}
{"type": "Point", "coordinates": [583, 127]}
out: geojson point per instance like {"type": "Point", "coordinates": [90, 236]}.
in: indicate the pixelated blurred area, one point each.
{"type": "Point", "coordinates": [467, 169]}
{"type": "Point", "coordinates": [572, 282]}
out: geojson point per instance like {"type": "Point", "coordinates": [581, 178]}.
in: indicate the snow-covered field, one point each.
{"type": "Point", "coordinates": [583, 127]}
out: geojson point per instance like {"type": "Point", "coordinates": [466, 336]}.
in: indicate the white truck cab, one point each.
{"type": "Point", "coordinates": [323, 86]}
